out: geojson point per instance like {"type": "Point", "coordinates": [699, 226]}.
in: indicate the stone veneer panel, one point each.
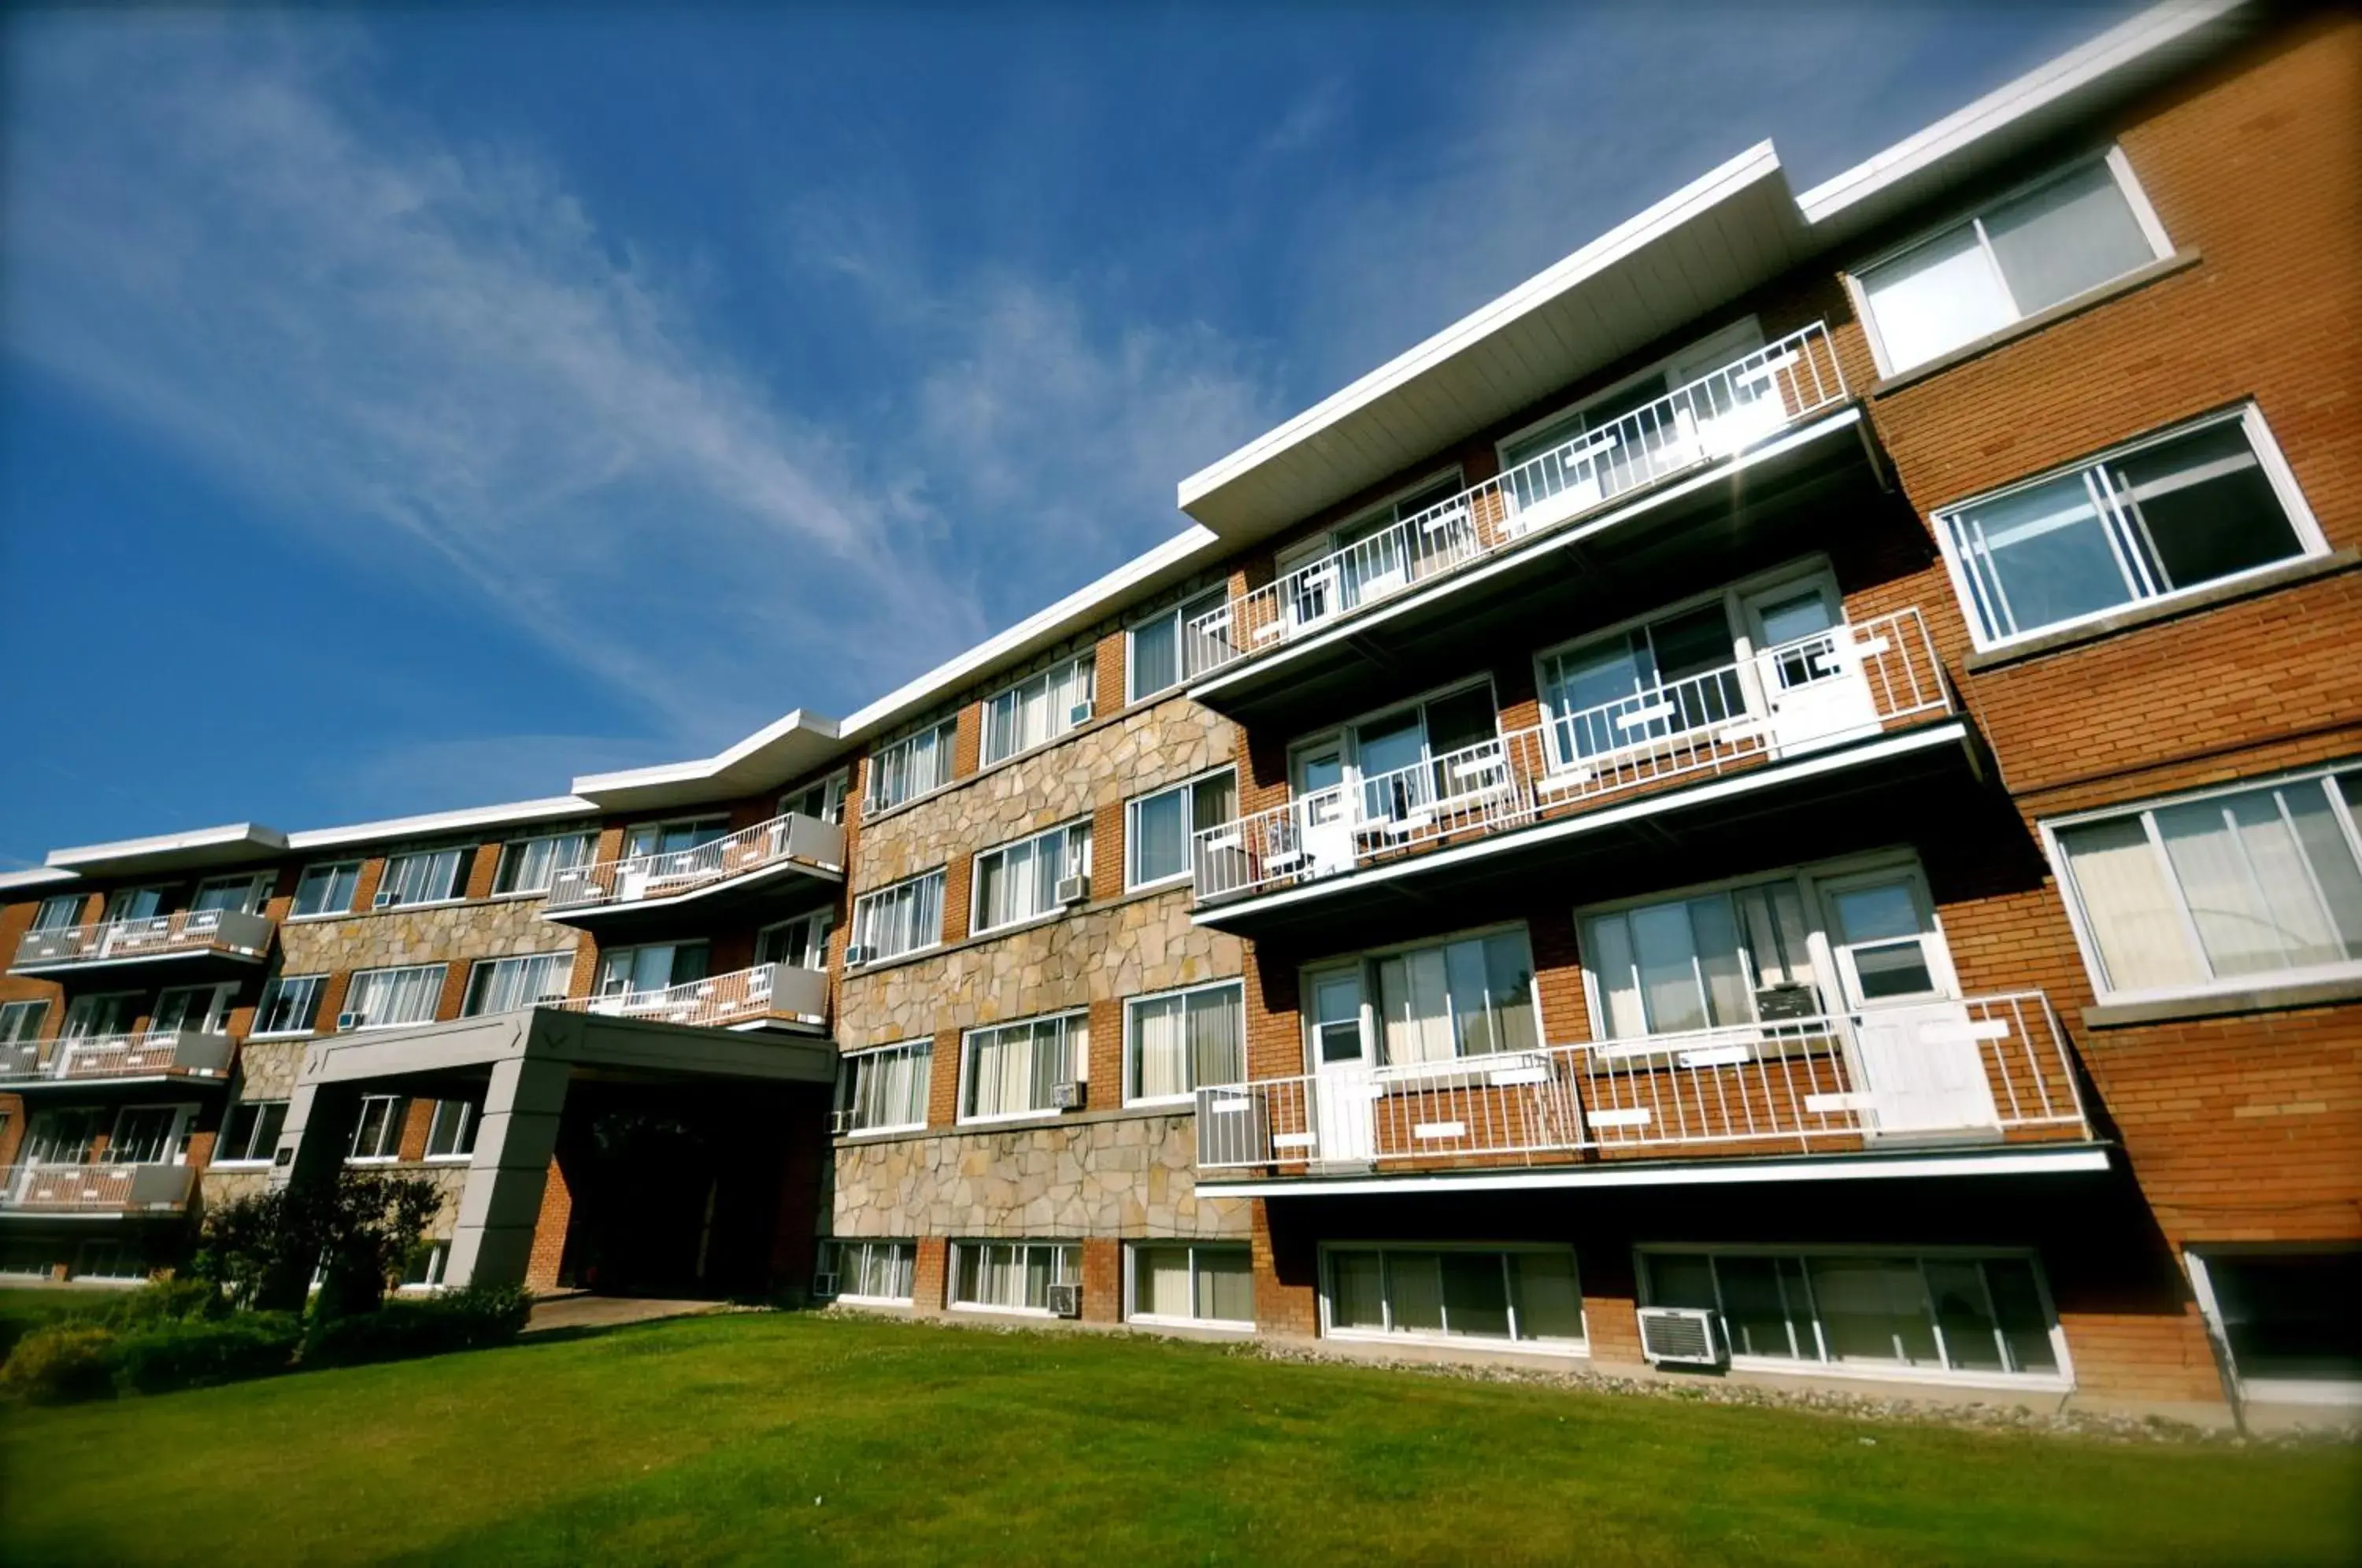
{"type": "Point", "coordinates": [1132, 1177]}
{"type": "Point", "coordinates": [1123, 950]}
{"type": "Point", "coordinates": [446, 932]}
{"type": "Point", "coordinates": [267, 1068]}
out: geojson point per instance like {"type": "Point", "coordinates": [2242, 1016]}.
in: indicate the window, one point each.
{"type": "Point", "coordinates": [504, 985]}
{"type": "Point", "coordinates": [241, 895]}
{"type": "Point", "coordinates": [100, 1014]}
{"type": "Point", "coordinates": [2287, 1317]}
{"type": "Point", "coordinates": [1399, 764]}
{"type": "Point", "coordinates": [1206, 1286]}
{"type": "Point", "coordinates": [147, 1135]}
{"type": "Point", "coordinates": [382, 998]}
{"type": "Point", "coordinates": [1012, 1277]}
{"type": "Point", "coordinates": [290, 1004]}
{"type": "Point", "coordinates": [135, 903]}
{"type": "Point", "coordinates": [1015, 1069]}
{"type": "Point", "coordinates": [886, 1089]}
{"type": "Point", "coordinates": [1164, 652]}
{"type": "Point", "coordinates": [2197, 505]}
{"type": "Point", "coordinates": [656, 839]}
{"type": "Point", "coordinates": [200, 1010]}
{"type": "Point", "coordinates": [800, 944]}
{"type": "Point", "coordinates": [1178, 1043]}
{"type": "Point", "coordinates": [1621, 402]}
{"type": "Point", "coordinates": [1159, 828]}
{"type": "Point", "coordinates": [824, 801]}
{"type": "Point", "coordinates": [2222, 890]}
{"type": "Point", "coordinates": [1038, 709]}
{"type": "Point", "coordinates": [1020, 881]}
{"type": "Point", "coordinates": [1696, 963]}
{"type": "Point", "coordinates": [2039, 248]}
{"type": "Point", "coordinates": [327, 890]}
{"type": "Point", "coordinates": [1372, 554]}
{"type": "Point", "coordinates": [21, 1021]}
{"type": "Point", "coordinates": [1662, 678]}
{"type": "Point", "coordinates": [1467, 997]}
{"type": "Point", "coordinates": [1939, 1313]}
{"type": "Point", "coordinates": [250, 1135]}
{"type": "Point", "coordinates": [61, 912]}
{"type": "Point", "coordinates": [377, 1131]}
{"type": "Point", "coordinates": [881, 1272]}
{"type": "Point", "coordinates": [1518, 1295]}
{"type": "Point", "coordinates": [451, 1134]}
{"type": "Point", "coordinates": [911, 766]}
{"type": "Point", "coordinates": [423, 1269]}
{"type": "Point", "coordinates": [637, 971]}
{"type": "Point", "coordinates": [423, 877]}
{"type": "Point", "coordinates": [901, 919]}
{"type": "Point", "coordinates": [533, 865]}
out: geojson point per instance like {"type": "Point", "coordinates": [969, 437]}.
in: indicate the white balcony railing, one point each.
{"type": "Point", "coordinates": [1716, 416]}
{"type": "Point", "coordinates": [186, 1052]}
{"type": "Point", "coordinates": [1995, 1067]}
{"type": "Point", "coordinates": [783, 992]}
{"type": "Point", "coordinates": [1835, 686]}
{"type": "Point", "coordinates": [95, 1188]}
{"type": "Point", "coordinates": [229, 932]}
{"type": "Point", "coordinates": [639, 878]}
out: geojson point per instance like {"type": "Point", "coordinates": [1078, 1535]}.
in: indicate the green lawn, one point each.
{"type": "Point", "coordinates": [788, 1436]}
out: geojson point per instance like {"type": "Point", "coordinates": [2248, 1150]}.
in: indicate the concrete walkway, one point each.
{"type": "Point", "coordinates": [581, 1309]}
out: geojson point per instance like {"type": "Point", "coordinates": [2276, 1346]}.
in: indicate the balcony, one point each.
{"type": "Point", "coordinates": [187, 938]}
{"type": "Point", "coordinates": [1982, 1076]}
{"type": "Point", "coordinates": [1613, 499]}
{"type": "Point", "coordinates": [1832, 709]}
{"type": "Point", "coordinates": [185, 1053]}
{"type": "Point", "coordinates": [98, 1191]}
{"type": "Point", "coordinates": [785, 857]}
{"type": "Point", "coordinates": [768, 995]}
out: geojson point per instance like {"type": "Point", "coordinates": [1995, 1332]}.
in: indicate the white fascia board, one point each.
{"type": "Point", "coordinates": [1713, 1170]}
{"type": "Point", "coordinates": [517, 813]}
{"type": "Point", "coordinates": [1847, 200]}
{"type": "Point", "coordinates": [772, 756]}
{"type": "Point", "coordinates": [162, 852]}
{"type": "Point", "coordinates": [1694, 203]}
{"type": "Point", "coordinates": [36, 877]}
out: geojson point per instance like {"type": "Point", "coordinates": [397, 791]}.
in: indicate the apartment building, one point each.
{"type": "Point", "coordinates": [1783, 801]}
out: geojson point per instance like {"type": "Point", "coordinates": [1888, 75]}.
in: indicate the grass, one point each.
{"type": "Point", "coordinates": [804, 1438]}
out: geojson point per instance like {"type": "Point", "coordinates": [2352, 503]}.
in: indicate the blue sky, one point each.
{"type": "Point", "coordinates": [412, 409]}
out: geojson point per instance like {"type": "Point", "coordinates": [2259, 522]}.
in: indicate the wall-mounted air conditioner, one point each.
{"type": "Point", "coordinates": [1073, 890]}
{"type": "Point", "coordinates": [382, 901]}
{"type": "Point", "coordinates": [1066, 1302]}
{"type": "Point", "coordinates": [856, 954]}
{"type": "Point", "coordinates": [1067, 1095]}
{"type": "Point", "coordinates": [823, 1286]}
{"type": "Point", "coordinates": [352, 1020]}
{"type": "Point", "coordinates": [840, 1122]}
{"type": "Point", "coordinates": [1683, 1336]}
{"type": "Point", "coordinates": [1080, 713]}
{"type": "Point", "coordinates": [1786, 1004]}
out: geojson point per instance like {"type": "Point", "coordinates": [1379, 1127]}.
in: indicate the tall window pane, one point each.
{"type": "Point", "coordinates": [2071, 235]}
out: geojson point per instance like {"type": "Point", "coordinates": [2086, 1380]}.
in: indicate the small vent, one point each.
{"type": "Point", "coordinates": [1066, 1302]}
{"type": "Point", "coordinates": [1073, 890]}
{"type": "Point", "coordinates": [1680, 1334]}
{"type": "Point", "coordinates": [823, 1286]}
{"type": "Point", "coordinates": [1067, 1096]}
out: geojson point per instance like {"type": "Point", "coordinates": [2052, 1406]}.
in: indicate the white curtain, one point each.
{"type": "Point", "coordinates": [2243, 873]}
{"type": "Point", "coordinates": [2070, 235]}
{"type": "Point", "coordinates": [1936, 298]}
{"type": "Point", "coordinates": [2131, 912]}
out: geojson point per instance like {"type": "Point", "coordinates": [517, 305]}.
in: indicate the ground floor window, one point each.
{"type": "Point", "coordinates": [251, 1133]}
{"type": "Point", "coordinates": [109, 1261]}
{"type": "Point", "coordinates": [376, 1131]}
{"type": "Point", "coordinates": [871, 1271]}
{"type": "Point", "coordinates": [26, 1260]}
{"type": "Point", "coordinates": [1012, 1277]}
{"type": "Point", "coordinates": [1518, 1295]}
{"type": "Point", "coordinates": [2289, 1321]}
{"type": "Point", "coordinates": [1177, 1283]}
{"type": "Point", "coordinates": [423, 1269]}
{"type": "Point", "coordinates": [1937, 1312]}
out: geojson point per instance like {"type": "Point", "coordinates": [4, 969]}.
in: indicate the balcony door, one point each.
{"type": "Point", "coordinates": [202, 1009]}
{"type": "Point", "coordinates": [135, 903]}
{"type": "Point", "coordinates": [1399, 766]}
{"type": "Point", "coordinates": [97, 1015]}
{"type": "Point", "coordinates": [1808, 667]}
{"type": "Point", "coordinates": [1921, 1056]}
{"type": "Point", "coordinates": [1345, 1067]}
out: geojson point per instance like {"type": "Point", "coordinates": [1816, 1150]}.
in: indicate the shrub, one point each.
{"type": "Point", "coordinates": [164, 1301]}
{"type": "Point", "coordinates": [355, 1228]}
{"type": "Point", "coordinates": [457, 1320]}
{"type": "Point", "coordinates": [61, 1364]}
{"type": "Point", "coordinates": [198, 1353]}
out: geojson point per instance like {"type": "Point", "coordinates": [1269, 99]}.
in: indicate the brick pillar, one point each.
{"type": "Point", "coordinates": [548, 1253]}
{"type": "Point", "coordinates": [931, 1275]}
{"type": "Point", "coordinates": [1103, 1281]}
{"type": "Point", "coordinates": [1106, 850]}
{"type": "Point", "coordinates": [1285, 1295]}
{"type": "Point", "coordinates": [1105, 1090]}
{"type": "Point", "coordinates": [942, 1079]}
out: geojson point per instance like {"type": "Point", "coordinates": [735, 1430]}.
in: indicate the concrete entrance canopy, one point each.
{"type": "Point", "coordinates": [532, 1055]}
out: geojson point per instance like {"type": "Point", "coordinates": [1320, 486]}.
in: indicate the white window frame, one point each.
{"type": "Point", "coordinates": [1074, 1033]}
{"type": "Point", "coordinates": [833, 791]}
{"type": "Point", "coordinates": [442, 971]}
{"type": "Point", "coordinates": [1064, 833]}
{"type": "Point", "coordinates": [863, 919]}
{"type": "Point", "coordinates": [211, 1018]}
{"type": "Point", "coordinates": [1324, 541]}
{"type": "Point", "coordinates": [14, 1032]}
{"type": "Point", "coordinates": [58, 911]}
{"type": "Point", "coordinates": [2312, 544]}
{"type": "Point", "coordinates": [2062, 872]}
{"type": "Point", "coordinates": [2318, 1391]}
{"type": "Point", "coordinates": [481, 971]}
{"type": "Point", "coordinates": [397, 1116]}
{"type": "Point", "coordinates": [1061, 723]}
{"type": "Point", "coordinates": [295, 911]}
{"type": "Point", "coordinates": [1191, 827]}
{"type": "Point", "coordinates": [2060, 1381]}
{"type": "Point", "coordinates": [256, 886]}
{"type": "Point", "coordinates": [1364, 966]}
{"type": "Point", "coordinates": [319, 983]}
{"type": "Point", "coordinates": [1131, 1037]}
{"type": "Point", "coordinates": [833, 1249]}
{"type": "Point", "coordinates": [2152, 229]}
{"type": "Point", "coordinates": [818, 926]}
{"type": "Point", "coordinates": [943, 747]}
{"type": "Point", "coordinates": [1329, 1331]}
{"type": "Point", "coordinates": [469, 1114]}
{"type": "Point", "coordinates": [848, 1094]}
{"type": "Point", "coordinates": [1346, 737]}
{"type": "Point", "coordinates": [952, 1273]}
{"type": "Point", "coordinates": [513, 851]}
{"type": "Point", "coordinates": [608, 967]}
{"type": "Point", "coordinates": [455, 886]}
{"type": "Point", "coordinates": [270, 1151]}
{"type": "Point", "coordinates": [176, 1136]}
{"type": "Point", "coordinates": [1131, 1313]}
{"type": "Point", "coordinates": [1204, 602]}
{"type": "Point", "coordinates": [1727, 345]}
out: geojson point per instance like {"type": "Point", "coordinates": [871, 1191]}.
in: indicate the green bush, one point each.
{"type": "Point", "coordinates": [61, 1364]}
{"type": "Point", "coordinates": [164, 1301]}
{"type": "Point", "coordinates": [457, 1320]}
{"type": "Point", "coordinates": [197, 1353]}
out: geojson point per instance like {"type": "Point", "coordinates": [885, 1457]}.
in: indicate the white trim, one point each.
{"type": "Point", "coordinates": [1324, 1276]}
{"type": "Point", "coordinates": [1717, 1171]}
{"type": "Point", "coordinates": [516, 814]}
{"type": "Point", "coordinates": [1128, 1268]}
{"type": "Point", "coordinates": [1189, 1097]}
{"type": "Point", "coordinates": [1132, 805]}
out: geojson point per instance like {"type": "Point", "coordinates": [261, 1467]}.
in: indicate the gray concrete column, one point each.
{"type": "Point", "coordinates": [492, 1242]}
{"type": "Point", "coordinates": [313, 1143]}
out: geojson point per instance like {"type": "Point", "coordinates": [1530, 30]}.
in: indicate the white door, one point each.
{"type": "Point", "coordinates": [1319, 839]}
{"type": "Point", "coordinates": [1921, 1060]}
{"type": "Point", "coordinates": [1809, 667]}
{"type": "Point", "coordinates": [1344, 1077]}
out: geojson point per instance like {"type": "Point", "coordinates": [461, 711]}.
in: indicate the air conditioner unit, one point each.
{"type": "Point", "coordinates": [1683, 1335]}
{"type": "Point", "coordinates": [382, 901]}
{"type": "Point", "coordinates": [823, 1286]}
{"type": "Point", "coordinates": [1786, 1004]}
{"type": "Point", "coordinates": [1073, 890]}
{"type": "Point", "coordinates": [1080, 713]}
{"type": "Point", "coordinates": [857, 954]}
{"type": "Point", "coordinates": [1067, 1096]}
{"type": "Point", "coordinates": [352, 1020]}
{"type": "Point", "coordinates": [840, 1122]}
{"type": "Point", "coordinates": [1066, 1302]}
